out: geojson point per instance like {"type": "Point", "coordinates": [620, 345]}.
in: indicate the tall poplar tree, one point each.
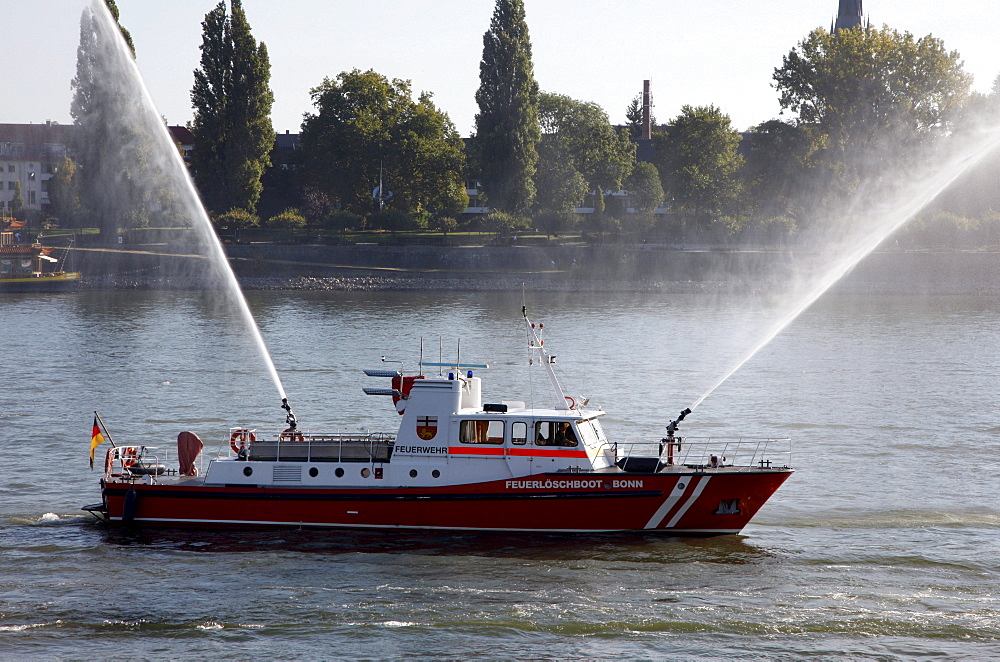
{"type": "Point", "coordinates": [507, 131]}
{"type": "Point", "coordinates": [232, 124]}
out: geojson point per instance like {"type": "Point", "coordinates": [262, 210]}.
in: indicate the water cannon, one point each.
{"type": "Point", "coordinates": [672, 428]}
{"type": "Point", "coordinates": [290, 417]}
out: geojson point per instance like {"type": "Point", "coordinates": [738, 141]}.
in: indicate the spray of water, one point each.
{"type": "Point", "coordinates": [846, 255]}
{"type": "Point", "coordinates": [166, 168]}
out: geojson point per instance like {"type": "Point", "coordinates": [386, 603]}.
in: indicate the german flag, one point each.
{"type": "Point", "coordinates": [96, 439]}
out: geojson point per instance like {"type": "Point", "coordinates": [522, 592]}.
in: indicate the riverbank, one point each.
{"type": "Point", "coordinates": [607, 269]}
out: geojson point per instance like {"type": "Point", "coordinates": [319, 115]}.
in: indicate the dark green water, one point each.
{"type": "Point", "coordinates": [883, 545]}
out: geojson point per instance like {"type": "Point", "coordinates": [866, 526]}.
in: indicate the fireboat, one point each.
{"type": "Point", "coordinates": [457, 463]}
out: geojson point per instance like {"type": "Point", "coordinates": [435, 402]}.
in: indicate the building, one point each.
{"type": "Point", "coordinates": [29, 156]}
{"type": "Point", "coordinates": [849, 15]}
{"type": "Point", "coordinates": [184, 139]}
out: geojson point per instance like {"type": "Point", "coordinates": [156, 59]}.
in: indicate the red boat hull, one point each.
{"type": "Point", "coordinates": [708, 503]}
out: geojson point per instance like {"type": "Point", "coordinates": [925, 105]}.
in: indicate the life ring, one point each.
{"type": "Point", "coordinates": [572, 402]}
{"type": "Point", "coordinates": [241, 436]}
{"type": "Point", "coordinates": [130, 456]}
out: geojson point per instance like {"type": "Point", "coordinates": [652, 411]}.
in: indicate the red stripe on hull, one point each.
{"type": "Point", "coordinates": [696, 504]}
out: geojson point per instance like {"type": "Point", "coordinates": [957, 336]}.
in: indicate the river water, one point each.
{"type": "Point", "coordinates": [883, 545]}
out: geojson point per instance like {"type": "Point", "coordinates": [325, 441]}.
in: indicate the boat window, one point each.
{"type": "Point", "coordinates": [519, 433]}
{"type": "Point", "coordinates": [480, 432]}
{"type": "Point", "coordinates": [591, 432]}
{"type": "Point", "coordinates": [555, 433]}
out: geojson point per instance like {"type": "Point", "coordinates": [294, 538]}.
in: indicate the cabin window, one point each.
{"type": "Point", "coordinates": [591, 432]}
{"type": "Point", "coordinates": [480, 432]}
{"type": "Point", "coordinates": [555, 433]}
{"type": "Point", "coordinates": [519, 434]}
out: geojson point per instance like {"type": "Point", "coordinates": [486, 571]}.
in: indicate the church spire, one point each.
{"type": "Point", "coordinates": [848, 15]}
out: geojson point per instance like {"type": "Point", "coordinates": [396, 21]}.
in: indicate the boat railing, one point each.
{"type": "Point", "coordinates": [128, 462]}
{"type": "Point", "coordinates": [324, 447]}
{"type": "Point", "coordinates": [703, 453]}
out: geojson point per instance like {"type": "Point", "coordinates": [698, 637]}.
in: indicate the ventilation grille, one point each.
{"type": "Point", "coordinates": [284, 473]}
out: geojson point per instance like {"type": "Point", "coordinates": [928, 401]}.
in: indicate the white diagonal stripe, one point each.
{"type": "Point", "coordinates": [668, 503]}
{"type": "Point", "coordinates": [698, 489]}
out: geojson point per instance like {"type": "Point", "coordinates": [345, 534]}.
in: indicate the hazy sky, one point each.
{"type": "Point", "coordinates": [695, 51]}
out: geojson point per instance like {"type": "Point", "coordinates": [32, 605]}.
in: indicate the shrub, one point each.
{"type": "Point", "coordinates": [393, 220]}
{"type": "Point", "coordinates": [290, 218]}
{"type": "Point", "coordinates": [342, 221]}
{"type": "Point", "coordinates": [237, 218]}
{"type": "Point", "coordinates": [503, 223]}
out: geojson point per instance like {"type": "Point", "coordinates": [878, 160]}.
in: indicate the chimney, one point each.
{"type": "Point", "coordinates": [647, 102]}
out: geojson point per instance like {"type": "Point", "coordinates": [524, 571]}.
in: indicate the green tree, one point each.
{"type": "Point", "coordinates": [782, 170]}
{"type": "Point", "coordinates": [645, 192]}
{"type": "Point", "coordinates": [368, 129]}
{"type": "Point", "coordinates": [862, 87]}
{"type": "Point", "coordinates": [232, 100]}
{"type": "Point", "coordinates": [507, 132]}
{"type": "Point", "coordinates": [17, 202]}
{"type": "Point", "coordinates": [560, 186]}
{"type": "Point", "coordinates": [633, 118]}
{"type": "Point", "coordinates": [64, 195]}
{"type": "Point", "coordinates": [584, 134]}
{"type": "Point", "coordinates": [445, 224]}
{"type": "Point", "coordinates": [698, 160]}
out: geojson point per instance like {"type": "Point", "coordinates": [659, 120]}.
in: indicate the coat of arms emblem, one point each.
{"type": "Point", "coordinates": [427, 427]}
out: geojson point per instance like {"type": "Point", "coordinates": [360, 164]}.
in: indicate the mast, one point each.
{"type": "Point", "coordinates": [536, 344]}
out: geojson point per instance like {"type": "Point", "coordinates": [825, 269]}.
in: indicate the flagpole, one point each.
{"type": "Point", "coordinates": [104, 427]}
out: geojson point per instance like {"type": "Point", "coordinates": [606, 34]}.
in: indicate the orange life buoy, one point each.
{"type": "Point", "coordinates": [242, 436]}
{"type": "Point", "coordinates": [130, 456]}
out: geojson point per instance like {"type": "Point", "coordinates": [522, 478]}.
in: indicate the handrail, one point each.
{"type": "Point", "coordinates": [710, 452]}
{"type": "Point", "coordinates": [310, 446]}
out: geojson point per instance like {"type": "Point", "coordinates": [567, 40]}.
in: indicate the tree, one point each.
{"type": "Point", "coordinates": [445, 224]}
{"type": "Point", "coordinates": [560, 186]}
{"type": "Point", "coordinates": [633, 118]}
{"type": "Point", "coordinates": [232, 123]}
{"type": "Point", "coordinates": [368, 129]}
{"type": "Point", "coordinates": [108, 144]}
{"type": "Point", "coordinates": [316, 205]}
{"type": "Point", "coordinates": [863, 87]}
{"type": "Point", "coordinates": [17, 202]}
{"type": "Point", "coordinates": [782, 171]}
{"type": "Point", "coordinates": [584, 134]}
{"type": "Point", "coordinates": [698, 159]}
{"type": "Point", "coordinates": [507, 132]}
{"type": "Point", "coordinates": [645, 192]}
{"type": "Point", "coordinates": [64, 195]}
